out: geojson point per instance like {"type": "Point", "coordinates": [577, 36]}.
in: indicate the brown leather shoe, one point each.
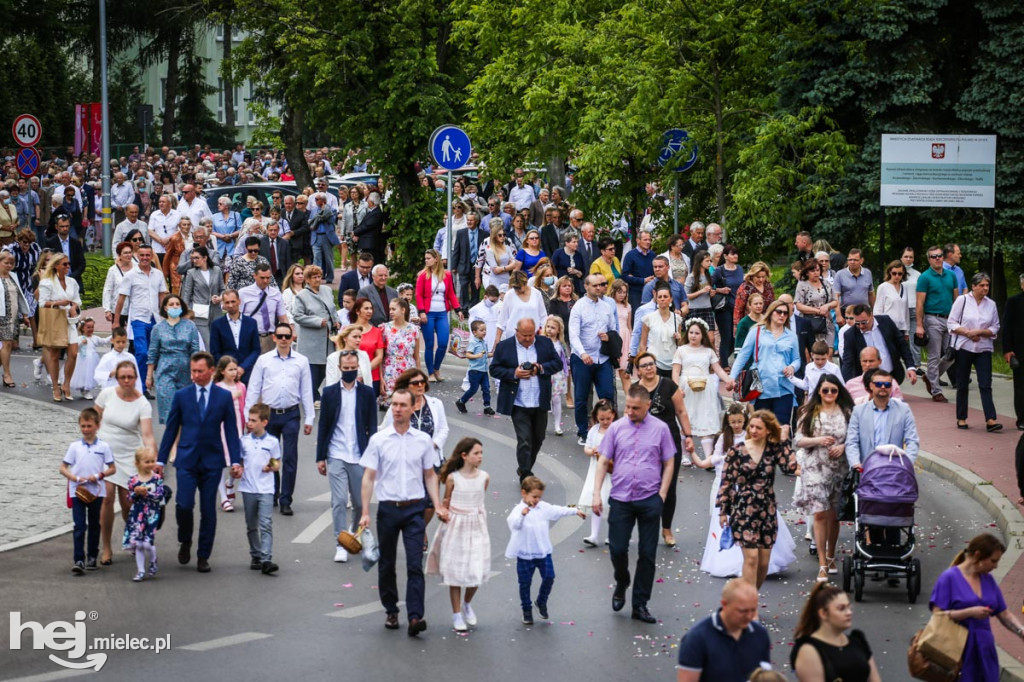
{"type": "Point", "coordinates": [391, 622]}
{"type": "Point", "coordinates": [939, 398]}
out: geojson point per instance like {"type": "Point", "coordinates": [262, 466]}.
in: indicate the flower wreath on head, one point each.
{"type": "Point", "coordinates": [696, 320]}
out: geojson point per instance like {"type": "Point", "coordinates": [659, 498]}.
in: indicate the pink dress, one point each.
{"type": "Point", "coordinates": [238, 397]}
{"type": "Point", "coordinates": [399, 352]}
{"type": "Point", "coordinates": [625, 313]}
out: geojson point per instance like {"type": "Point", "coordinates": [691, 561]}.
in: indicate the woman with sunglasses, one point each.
{"type": "Point", "coordinates": [607, 264]}
{"type": "Point", "coordinates": [893, 297]}
{"type": "Point", "coordinates": [773, 348]}
{"type": "Point", "coordinates": [821, 435]}
{"type": "Point", "coordinates": [57, 289]}
{"type": "Point", "coordinates": [123, 264]}
{"type": "Point", "coordinates": [242, 271]}
{"type": "Point", "coordinates": [531, 253]}
{"type": "Point", "coordinates": [26, 256]}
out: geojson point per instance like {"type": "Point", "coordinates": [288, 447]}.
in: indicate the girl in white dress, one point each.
{"type": "Point", "coordinates": [696, 370]}
{"type": "Point", "coordinates": [83, 380]}
{"type": "Point", "coordinates": [554, 329]}
{"type": "Point", "coordinates": [461, 551]}
{"type": "Point", "coordinates": [226, 377]}
{"type": "Point", "coordinates": [602, 417]}
{"type": "Point", "coordinates": [729, 562]}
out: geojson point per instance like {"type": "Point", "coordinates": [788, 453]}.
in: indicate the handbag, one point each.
{"type": "Point", "coordinates": [696, 384]}
{"type": "Point", "coordinates": [85, 495]}
{"type": "Point", "coordinates": [920, 668]}
{"type": "Point", "coordinates": [750, 386]}
{"type": "Point", "coordinates": [942, 641]}
{"type": "Point", "coordinates": [949, 355]}
{"type": "Point", "coordinates": [459, 341]}
{"type": "Point", "coordinates": [718, 301]}
{"type": "Point", "coordinates": [201, 311]}
{"type": "Point", "coordinates": [846, 511]}
{"type": "Point", "coordinates": [53, 327]}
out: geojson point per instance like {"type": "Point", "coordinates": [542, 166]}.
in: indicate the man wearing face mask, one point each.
{"type": "Point", "coordinates": [347, 420]}
{"type": "Point", "coordinates": [464, 257]}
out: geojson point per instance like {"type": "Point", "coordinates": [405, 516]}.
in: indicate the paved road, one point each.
{"type": "Point", "coordinates": [317, 619]}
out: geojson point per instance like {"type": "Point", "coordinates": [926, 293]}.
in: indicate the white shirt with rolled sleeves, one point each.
{"type": "Point", "coordinates": [142, 291]}
{"type": "Point", "coordinates": [587, 320]}
{"type": "Point", "coordinates": [968, 313]}
{"type": "Point", "coordinates": [399, 460]}
{"type": "Point", "coordinates": [282, 382]}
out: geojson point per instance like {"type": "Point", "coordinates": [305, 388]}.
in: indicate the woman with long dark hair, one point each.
{"type": "Point", "coordinates": [823, 650]}
{"type": "Point", "coordinates": [821, 435]}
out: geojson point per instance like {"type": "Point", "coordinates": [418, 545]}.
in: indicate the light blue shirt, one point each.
{"type": "Point", "coordinates": [282, 382]}
{"type": "Point", "coordinates": [528, 394]}
{"type": "Point", "coordinates": [587, 319]}
{"type": "Point", "coordinates": [634, 341]}
{"type": "Point", "coordinates": [478, 346]}
{"type": "Point", "coordinates": [222, 225]}
{"type": "Point", "coordinates": [678, 293]}
{"type": "Point", "coordinates": [881, 422]}
{"type": "Point", "coordinates": [774, 355]}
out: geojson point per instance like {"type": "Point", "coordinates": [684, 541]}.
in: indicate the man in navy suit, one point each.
{"type": "Point", "coordinates": [358, 278]}
{"type": "Point", "coordinates": [347, 420]}
{"type": "Point", "coordinates": [524, 365]}
{"type": "Point", "coordinates": [200, 414]}
{"type": "Point", "coordinates": [464, 253]}
{"type": "Point", "coordinates": [881, 332]}
{"type": "Point", "coordinates": [246, 349]}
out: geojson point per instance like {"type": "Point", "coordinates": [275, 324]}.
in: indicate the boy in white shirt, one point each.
{"type": "Point", "coordinates": [813, 372]}
{"type": "Point", "coordinates": [86, 463]}
{"type": "Point", "coordinates": [530, 544]}
{"type": "Point", "coordinates": [105, 375]}
{"type": "Point", "coordinates": [261, 457]}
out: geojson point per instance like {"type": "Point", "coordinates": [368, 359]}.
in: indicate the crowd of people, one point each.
{"type": "Point", "coordinates": [242, 330]}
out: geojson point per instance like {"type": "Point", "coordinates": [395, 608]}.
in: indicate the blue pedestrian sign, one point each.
{"type": "Point", "coordinates": [672, 142]}
{"type": "Point", "coordinates": [27, 161]}
{"type": "Point", "coordinates": [450, 148]}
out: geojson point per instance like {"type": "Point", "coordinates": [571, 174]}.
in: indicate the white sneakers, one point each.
{"type": "Point", "coordinates": [467, 614]}
{"type": "Point", "coordinates": [37, 369]}
{"type": "Point", "coordinates": [458, 624]}
{"type": "Point", "coordinates": [340, 555]}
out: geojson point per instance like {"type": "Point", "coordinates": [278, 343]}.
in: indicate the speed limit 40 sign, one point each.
{"type": "Point", "coordinates": [26, 130]}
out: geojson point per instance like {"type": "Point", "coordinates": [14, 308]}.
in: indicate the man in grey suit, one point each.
{"type": "Point", "coordinates": [464, 254]}
{"type": "Point", "coordinates": [379, 294]}
{"type": "Point", "coordinates": [880, 421]}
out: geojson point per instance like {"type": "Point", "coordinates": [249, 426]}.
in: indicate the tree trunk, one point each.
{"type": "Point", "coordinates": [556, 172]}
{"type": "Point", "coordinates": [170, 93]}
{"type": "Point", "coordinates": [229, 87]}
{"type": "Point", "coordinates": [292, 124]}
{"type": "Point", "coordinates": [719, 154]}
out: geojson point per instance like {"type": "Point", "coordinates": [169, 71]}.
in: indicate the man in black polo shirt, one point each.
{"type": "Point", "coordinates": [728, 645]}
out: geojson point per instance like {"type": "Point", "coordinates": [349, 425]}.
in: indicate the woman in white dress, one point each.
{"type": "Point", "coordinates": [58, 290]}
{"type": "Point", "coordinates": [696, 370]}
{"type": "Point", "coordinates": [729, 562]}
{"type": "Point", "coordinates": [522, 301]}
{"type": "Point", "coordinates": [498, 259]}
{"type": "Point", "coordinates": [893, 298]}
{"type": "Point", "coordinates": [126, 424]}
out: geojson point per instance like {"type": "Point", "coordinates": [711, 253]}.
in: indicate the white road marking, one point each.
{"type": "Point", "coordinates": [310, 532]}
{"type": "Point", "coordinates": [230, 640]}
{"type": "Point", "coordinates": [357, 611]}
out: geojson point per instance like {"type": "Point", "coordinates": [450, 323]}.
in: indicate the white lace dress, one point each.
{"type": "Point", "coordinates": [702, 406]}
{"type": "Point", "coordinates": [461, 550]}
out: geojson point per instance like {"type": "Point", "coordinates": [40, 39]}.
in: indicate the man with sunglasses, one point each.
{"type": "Point", "coordinates": [192, 205]}
{"type": "Point", "coordinates": [282, 380]}
{"type": "Point", "coordinates": [879, 332]}
{"type": "Point", "coordinates": [936, 289]}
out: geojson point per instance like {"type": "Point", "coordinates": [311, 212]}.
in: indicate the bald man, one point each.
{"type": "Point", "coordinates": [869, 360]}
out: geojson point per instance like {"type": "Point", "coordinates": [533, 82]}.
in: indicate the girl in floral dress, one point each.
{"type": "Point", "coordinates": [554, 329]}
{"type": "Point", "coordinates": [146, 490]}
{"type": "Point", "coordinates": [401, 347]}
{"type": "Point", "coordinates": [227, 377]}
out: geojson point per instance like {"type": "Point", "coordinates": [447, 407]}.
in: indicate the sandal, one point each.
{"type": "Point", "coordinates": [831, 563]}
{"type": "Point", "coordinates": [822, 575]}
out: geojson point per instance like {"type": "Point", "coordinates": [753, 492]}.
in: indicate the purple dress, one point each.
{"type": "Point", "coordinates": [952, 591]}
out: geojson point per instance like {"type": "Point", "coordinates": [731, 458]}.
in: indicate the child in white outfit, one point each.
{"type": "Point", "coordinates": [83, 379]}
{"type": "Point", "coordinates": [530, 544]}
{"type": "Point", "coordinates": [602, 417]}
{"type": "Point", "coordinates": [104, 374]}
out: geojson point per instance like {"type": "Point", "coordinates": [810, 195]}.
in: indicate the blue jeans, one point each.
{"type": "Point", "coordinates": [407, 520]}
{"type": "Point", "coordinates": [259, 520]}
{"type": "Point", "coordinates": [323, 257]}
{"type": "Point", "coordinates": [477, 380]}
{"type": "Point", "coordinates": [983, 365]}
{"type": "Point", "coordinates": [782, 406]}
{"type": "Point", "coordinates": [87, 523]}
{"type": "Point", "coordinates": [646, 515]}
{"type": "Point", "coordinates": [525, 569]}
{"type": "Point", "coordinates": [437, 323]}
{"type": "Point", "coordinates": [141, 331]}
{"type": "Point", "coordinates": [602, 377]}
{"type": "Point", "coordinates": [346, 481]}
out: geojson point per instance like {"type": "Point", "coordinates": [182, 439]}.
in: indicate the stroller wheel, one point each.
{"type": "Point", "coordinates": [913, 580]}
{"type": "Point", "coordinates": [847, 573]}
{"type": "Point", "coordinates": [858, 585]}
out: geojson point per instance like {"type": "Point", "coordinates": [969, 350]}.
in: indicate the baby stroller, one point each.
{"type": "Point", "coordinates": [884, 524]}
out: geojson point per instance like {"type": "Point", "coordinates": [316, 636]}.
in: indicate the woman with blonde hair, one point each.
{"type": "Point", "coordinates": [543, 279]}
{"type": "Point", "coordinates": [57, 289]}
{"type": "Point", "coordinates": [349, 339]}
{"type": "Point", "coordinates": [498, 258]}
{"type": "Point", "coordinates": [755, 281]}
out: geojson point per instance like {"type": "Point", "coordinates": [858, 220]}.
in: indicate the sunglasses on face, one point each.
{"type": "Point", "coordinates": [935, 256]}
{"type": "Point", "coordinates": [783, 311]}
{"type": "Point", "coordinates": [252, 250]}
{"type": "Point", "coordinates": [828, 390]}
{"type": "Point", "coordinates": [417, 382]}
{"type": "Point", "coordinates": [136, 239]}
{"type": "Point", "coordinates": [882, 384]}
{"type": "Point", "coordinates": [282, 336]}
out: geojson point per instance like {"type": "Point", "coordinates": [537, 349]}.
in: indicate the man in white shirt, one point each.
{"type": "Point", "coordinates": [282, 380]}
{"type": "Point", "coordinates": [163, 223]}
{"type": "Point", "coordinates": [144, 288]}
{"type": "Point", "coordinates": [131, 222]}
{"type": "Point", "coordinates": [399, 466]}
{"type": "Point", "coordinates": [192, 205]}
{"type": "Point", "coordinates": [121, 195]}
{"type": "Point", "coordinates": [522, 194]}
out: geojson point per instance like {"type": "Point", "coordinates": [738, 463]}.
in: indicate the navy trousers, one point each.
{"type": "Point", "coordinates": [408, 521]}
{"type": "Point", "coordinates": [206, 482]}
{"type": "Point", "coordinates": [286, 428]}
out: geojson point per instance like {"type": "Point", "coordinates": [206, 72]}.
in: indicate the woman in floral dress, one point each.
{"type": "Point", "coordinates": [746, 498]}
{"type": "Point", "coordinates": [401, 346]}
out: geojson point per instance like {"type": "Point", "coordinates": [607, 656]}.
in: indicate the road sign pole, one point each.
{"type": "Point", "coordinates": [675, 207]}
{"type": "Point", "coordinates": [450, 221]}
{"type": "Point", "coordinates": [106, 230]}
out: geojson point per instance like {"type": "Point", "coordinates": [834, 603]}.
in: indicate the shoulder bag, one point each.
{"type": "Point", "coordinates": [718, 301]}
{"type": "Point", "coordinates": [950, 353]}
{"type": "Point", "coordinates": [750, 386]}
{"type": "Point", "coordinates": [818, 324]}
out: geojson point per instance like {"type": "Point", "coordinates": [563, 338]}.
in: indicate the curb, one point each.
{"type": "Point", "coordinates": [1007, 517]}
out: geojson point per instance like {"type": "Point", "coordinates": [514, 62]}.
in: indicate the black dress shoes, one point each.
{"type": "Point", "coordinates": [203, 565]}
{"type": "Point", "coordinates": [391, 622]}
{"type": "Point", "coordinates": [286, 510]}
{"type": "Point", "coordinates": [643, 615]}
{"type": "Point", "coordinates": [619, 597]}
{"type": "Point", "coordinates": [185, 553]}
{"type": "Point", "coordinates": [416, 626]}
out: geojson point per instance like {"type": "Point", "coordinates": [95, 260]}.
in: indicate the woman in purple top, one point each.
{"type": "Point", "coordinates": [968, 593]}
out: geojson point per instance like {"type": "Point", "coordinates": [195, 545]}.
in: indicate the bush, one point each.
{"type": "Point", "coordinates": [95, 275]}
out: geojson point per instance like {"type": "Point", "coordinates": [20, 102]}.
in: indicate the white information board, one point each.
{"type": "Point", "coordinates": [958, 171]}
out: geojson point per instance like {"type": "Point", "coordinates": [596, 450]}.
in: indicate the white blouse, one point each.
{"type": "Point", "coordinates": [968, 313]}
{"type": "Point", "coordinates": [894, 303]}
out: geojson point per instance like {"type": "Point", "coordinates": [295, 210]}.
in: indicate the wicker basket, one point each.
{"type": "Point", "coordinates": [697, 384]}
{"type": "Point", "coordinates": [350, 541]}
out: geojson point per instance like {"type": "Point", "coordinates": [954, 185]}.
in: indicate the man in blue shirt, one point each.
{"type": "Point", "coordinates": [638, 269]}
{"type": "Point", "coordinates": [662, 274]}
{"type": "Point", "coordinates": [590, 320]}
{"type": "Point", "coordinates": [729, 645]}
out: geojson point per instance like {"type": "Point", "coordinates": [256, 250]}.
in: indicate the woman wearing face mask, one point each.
{"type": "Point", "coordinates": [543, 279]}
{"type": "Point", "coordinates": [171, 343]}
{"type": "Point", "coordinates": [8, 218]}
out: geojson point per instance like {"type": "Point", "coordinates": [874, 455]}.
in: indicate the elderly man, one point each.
{"type": "Point", "coordinates": [131, 222]}
{"type": "Point", "coordinates": [588, 246]}
{"type": "Point", "coordinates": [728, 645]}
{"type": "Point", "coordinates": [714, 234]}
{"type": "Point", "coordinates": [200, 237]}
{"type": "Point", "coordinates": [192, 205]}
{"type": "Point", "coordinates": [641, 449]}
{"type": "Point", "coordinates": [859, 390]}
{"type": "Point", "coordinates": [298, 230]}
{"type": "Point", "coordinates": [369, 233]}
{"type": "Point", "coordinates": [879, 332]}
{"type": "Point", "coordinates": [323, 235]}
{"type": "Point", "coordinates": [538, 208]}
{"type": "Point", "coordinates": [695, 243]}
{"type": "Point", "coordinates": [398, 464]}
{"type": "Point", "coordinates": [379, 294]}
{"type": "Point", "coordinates": [321, 186]}
{"type": "Point", "coordinates": [524, 365]}
{"type": "Point", "coordinates": [163, 224]}
{"type": "Point", "coordinates": [122, 193]}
